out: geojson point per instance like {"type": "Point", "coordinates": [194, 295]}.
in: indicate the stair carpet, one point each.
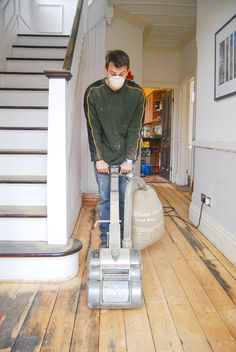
{"type": "Point", "coordinates": [23, 143]}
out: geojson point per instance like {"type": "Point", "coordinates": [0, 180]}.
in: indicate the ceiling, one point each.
{"type": "Point", "coordinates": [165, 23]}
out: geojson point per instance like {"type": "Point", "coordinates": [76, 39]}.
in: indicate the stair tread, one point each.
{"type": "Point", "coordinates": [23, 211]}
{"type": "Point", "coordinates": [43, 35]}
{"type": "Point", "coordinates": [38, 249]}
{"type": "Point", "coordinates": [25, 89]}
{"type": "Point", "coordinates": [40, 46]}
{"type": "Point", "coordinates": [23, 179]}
{"type": "Point", "coordinates": [23, 107]}
{"type": "Point", "coordinates": [34, 59]}
{"type": "Point", "coordinates": [26, 128]}
{"type": "Point", "coordinates": [21, 73]}
{"type": "Point", "coordinates": [23, 151]}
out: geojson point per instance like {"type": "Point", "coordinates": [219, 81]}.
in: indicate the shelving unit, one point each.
{"type": "Point", "coordinates": [152, 154]}
{"type": "Point", "coordinates": [152, 130]}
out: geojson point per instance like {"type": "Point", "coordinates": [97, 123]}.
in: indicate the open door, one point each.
{"type": "Point", "coordinates": [166, 134]}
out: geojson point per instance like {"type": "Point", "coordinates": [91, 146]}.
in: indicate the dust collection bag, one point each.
{"type": "Point", "coordinates": [145, 213]}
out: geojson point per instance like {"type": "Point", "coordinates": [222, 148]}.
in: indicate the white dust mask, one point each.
{"type": "Point", "coordinates": [116, 82]}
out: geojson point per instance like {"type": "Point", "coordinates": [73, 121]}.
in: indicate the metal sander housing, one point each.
{"type": "Point", "coordinates": [115, 273]}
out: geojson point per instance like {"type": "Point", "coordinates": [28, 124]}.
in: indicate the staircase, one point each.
{"type": "Point", "coordinates": [24, 251]}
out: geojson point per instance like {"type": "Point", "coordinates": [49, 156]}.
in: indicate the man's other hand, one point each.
{"type": "Point", "coordinates": [125, 167]}
{"type": "Point", "coordinates": [102, 167]}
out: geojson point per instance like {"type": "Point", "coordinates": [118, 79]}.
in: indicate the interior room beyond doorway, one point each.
{"type": "Point", "coordinates": [156, 138]}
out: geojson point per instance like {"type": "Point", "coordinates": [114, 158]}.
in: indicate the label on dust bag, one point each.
{"type": "Point", "coordinates": [115, 291]}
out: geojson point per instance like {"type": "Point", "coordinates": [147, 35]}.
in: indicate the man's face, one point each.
{"type": "Point", "coordinates": [112, 70]}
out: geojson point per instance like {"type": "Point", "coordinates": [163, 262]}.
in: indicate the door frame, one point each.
{"type": "Point", "coordinates": [174, 122]}
{"type": "Point", "coordinates": [183, 133]}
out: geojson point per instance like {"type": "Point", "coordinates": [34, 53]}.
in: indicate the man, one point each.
{"type": "Point", "coordinates": [114, 108]}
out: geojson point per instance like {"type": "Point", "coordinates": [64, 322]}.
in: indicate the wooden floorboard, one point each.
{"type": "Point", "coordinates": [189, 298]}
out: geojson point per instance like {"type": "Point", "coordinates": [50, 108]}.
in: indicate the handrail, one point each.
{"type": "Point", "coordinates": [71, 45]}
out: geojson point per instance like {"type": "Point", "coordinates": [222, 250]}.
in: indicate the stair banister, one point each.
{"type": "Point", "coordinates": [61, 98]}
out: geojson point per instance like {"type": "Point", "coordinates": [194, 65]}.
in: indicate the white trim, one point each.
{"type": "Point", "coordinates": [39, 269]}
{"type": "Point", "coordinates": [57, 206]}
{"type": "Point", "coordinates": [223, 240]}
{"type": "Point", "coordinates": [216, 145]}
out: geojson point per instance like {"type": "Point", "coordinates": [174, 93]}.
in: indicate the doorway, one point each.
{"type": "Point", "coordinates": [156, 134]}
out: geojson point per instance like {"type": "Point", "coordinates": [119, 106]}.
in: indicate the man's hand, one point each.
{"type": "Point", "coordinates": [125, 167]}
{"type": "Point", "coordinates": [102, 167]}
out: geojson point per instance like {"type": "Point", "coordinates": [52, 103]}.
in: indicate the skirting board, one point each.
{"type": "Point", "coordinates": [89, 199]}
{"type": "Point", "coordinates": [214, 233]}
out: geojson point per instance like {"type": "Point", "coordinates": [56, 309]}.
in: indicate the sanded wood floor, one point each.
{"type": "Point", "coordinates": [189, 299]}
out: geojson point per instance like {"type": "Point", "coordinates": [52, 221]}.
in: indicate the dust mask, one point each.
{"type": "Point", "coordinates": [116, 82]}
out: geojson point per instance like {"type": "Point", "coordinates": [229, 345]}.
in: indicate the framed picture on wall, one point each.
{"type": "Point", "coordinates": [225, 60]}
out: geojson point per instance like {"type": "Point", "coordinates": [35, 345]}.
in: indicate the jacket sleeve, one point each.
{"type": "Point", "coordinates": [94, 127]}
{"type": "Point", "coordinates": [134, 129]}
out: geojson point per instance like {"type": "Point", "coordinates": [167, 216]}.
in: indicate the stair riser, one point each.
{"type": "Point", "coordinates": [23, 194]}
{"type": "Point", "coordinates": [38, 52]}
{"type": "Point", "coordinates": [23, 98]}
{"type": "Point", "coordinates": [32, 140]}
{"type": "Point", "coordinates": [23, 165]}
{"type": "Point", "coordinates": [42, 41]}
{"type": "Point", "coordinates": [23, 229]}
{"type": "Point", "coordinates": [23, 81]}
{"type": "Point", "coordinates": [23, 118]}
{"type": "Point", "coordinates": [39, 269]}
{"type": "Point", "coordinates": [33, 66]}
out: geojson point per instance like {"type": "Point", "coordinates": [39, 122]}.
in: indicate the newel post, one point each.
{"type": "Point", "coordinates": [57, 157]}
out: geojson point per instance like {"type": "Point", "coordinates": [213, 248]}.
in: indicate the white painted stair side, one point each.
{"type": "Point", "coordinates": [33, 65]}
{"type": "Point", "coordinates": [39, 269]}
{"type": "Point", "coordinates": [18, 164]}
{"type": "Point", "coordinates": [23, 117]}
{"type": "Point", "coordinates": [23, 139]}
{"type": "Point", "coordinates": [23, 229]}
{"type": "Point", "coordinates": [23, 194]}
{"type": "Point", "coordinates": [23, 153]}
{"type": "Point", "coordinates": [49, 262]}
{"type": "Point", "coordinates": [38, 52]}
{"type": "Point", "coordinates": [42, 40]}
{"type": "Point", "coordinates": [23, 98]}
{"type": "Point", "coordinates": [23, 80]}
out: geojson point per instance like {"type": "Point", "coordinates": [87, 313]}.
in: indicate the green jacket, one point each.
{"type": "Point", "coordinates": [114, 121]}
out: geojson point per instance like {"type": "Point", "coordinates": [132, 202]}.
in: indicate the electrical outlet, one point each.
{"type": "Point", "coordinates": [208, 201]}
{"type": "Point", "coordinates": [205, 199]}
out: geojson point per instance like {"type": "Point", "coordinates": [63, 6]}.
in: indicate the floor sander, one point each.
{"type": "Point", "coordinates": [115, 273]}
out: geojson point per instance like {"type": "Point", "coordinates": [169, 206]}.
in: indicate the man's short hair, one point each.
{"type": "Point", "coordinates": [118, 57]}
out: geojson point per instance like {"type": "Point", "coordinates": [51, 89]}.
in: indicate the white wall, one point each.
{"type": "Point", "coordinates": [188, 60]}
{"type": "Point", "coordinates": [215, 170]}
{"type": "Point", "coordinates": [14, 16]}
{"type": "Point", "coordinates": [53, 16]}
{"type": "Point", "coordinates": [92, 69]}
{"type": "Point", "coordinates": [125, 36]}
{"type": "Point", "coordinates": [25, 16]}
{"type": "Point", "coordinates": [161, 66]}
{"type": "Point", "coordinates": [74, 125]}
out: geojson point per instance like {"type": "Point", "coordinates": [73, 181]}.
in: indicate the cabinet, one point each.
{"type": "Point", "coordinates": [153, 109]}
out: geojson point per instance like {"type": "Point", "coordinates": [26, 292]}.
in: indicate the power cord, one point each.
{"type": "Point", "coordinates": [166, 213]}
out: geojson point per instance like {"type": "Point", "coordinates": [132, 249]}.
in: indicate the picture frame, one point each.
{"type": "Point", "coordinates": [225, 60]}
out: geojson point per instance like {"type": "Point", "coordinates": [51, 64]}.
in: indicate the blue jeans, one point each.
{"type": "Point", "coordinates": [103, 181]}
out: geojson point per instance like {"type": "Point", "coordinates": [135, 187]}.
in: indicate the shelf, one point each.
{"type": "Point", "coordinates": [153, 121]}
{"type": "Point", "coordinates": [151, 138]}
